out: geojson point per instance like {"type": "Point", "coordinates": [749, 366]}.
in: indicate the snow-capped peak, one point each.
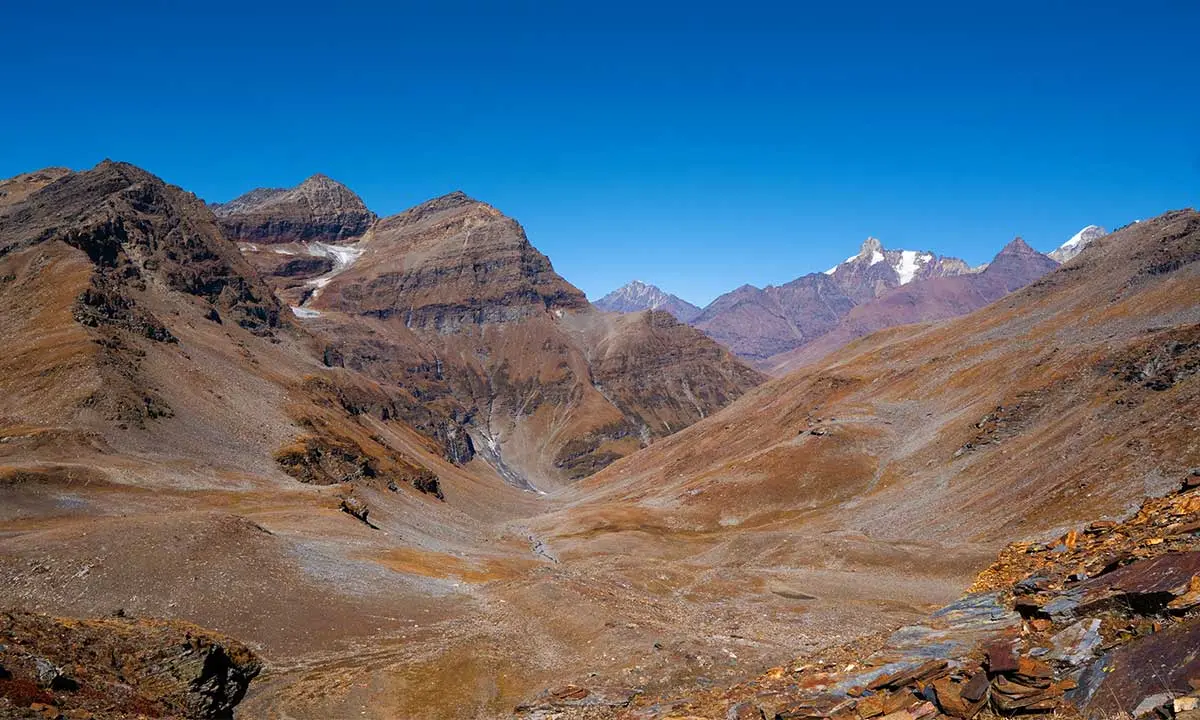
{"type": "Point", "coordinates": [908, 265]}
{"type": "Point", "coordinates": [871, 250]}
{"type": "Point", "coordinates": [1078, 242]}
{"type": "Point", "coordinates": [1085, 236]}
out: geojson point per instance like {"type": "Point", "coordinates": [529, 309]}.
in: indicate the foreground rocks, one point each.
{"type": "Point", "coordinates": [118, 668]}
{"type": "Point", "coordinates": [1102, 623]}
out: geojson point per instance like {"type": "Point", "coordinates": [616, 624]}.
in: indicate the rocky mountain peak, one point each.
{"type": "Point", "coordinates": [1017, 246]}
{"type": "Point", "coordinates": [444, 203]}
{"type": "Point", "coordinates": [318, 209]}
{"type": "Point", "coordinates": [869, 247]}
{"type": "Point", "coordinates": [463, 263]}
{"type": "Point", "coordinates": [636, 296]}
{"type": "Point", "coordinates": [1017, 265]}
{"type": "Point", "coordinates": [320, 179]}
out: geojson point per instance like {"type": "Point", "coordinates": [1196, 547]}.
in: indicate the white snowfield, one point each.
{"type": "Point", "coordinates": [343, 256]}
{"type": "Point", "coordinates": [910, 264]}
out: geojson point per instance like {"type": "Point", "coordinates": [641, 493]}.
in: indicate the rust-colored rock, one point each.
{"type": "Point", "coordinates": [921, 673]}
{"type": "Point", "coordinates": [125, 667]}
{"type": "Point", "coordinates": [951, 699]}
{"type": "Point", "coordinates": [1002, 657]}
{"type": "Point", "coordinates": [870, 706]}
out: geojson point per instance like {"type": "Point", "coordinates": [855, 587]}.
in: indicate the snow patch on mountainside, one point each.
{"type": "Point", "coordinates": [910, 264]}
{"type": "Point", "coordinates": [343, 256]}
{"type": "Point", "coordinates": [831, 270]}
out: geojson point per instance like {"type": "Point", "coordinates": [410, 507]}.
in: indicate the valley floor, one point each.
{"type": "Point", "coordinates": [413, 620]}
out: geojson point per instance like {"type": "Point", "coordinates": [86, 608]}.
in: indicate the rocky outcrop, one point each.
{"type": "Point", "coordinates": [136, 229]}
{"type": "Point", "coordinates": [119, 668]}
{"type": "Point", "coordinates": [341, 416]}
{"type": "Point", "coordinates": [1096, 623]}
{"type": "Point", "coordinates": [355, 507]}
{"type": "Point", "coordinates": [319, 209]}
{"type": "Point", "coordinates": [637, 296]}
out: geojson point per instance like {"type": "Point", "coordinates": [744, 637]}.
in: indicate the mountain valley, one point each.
{"type": "Point", "coordinates": [399, 467]}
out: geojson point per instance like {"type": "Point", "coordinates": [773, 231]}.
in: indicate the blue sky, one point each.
{"type": "Point", "coordinates": [698, 146]}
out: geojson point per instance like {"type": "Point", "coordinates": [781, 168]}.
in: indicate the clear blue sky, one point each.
{"type": "Point", "coordinates": [698, 146]}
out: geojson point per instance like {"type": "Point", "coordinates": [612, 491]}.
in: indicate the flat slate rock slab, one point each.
{"type": "Point", "coordinates": [1123, 679]}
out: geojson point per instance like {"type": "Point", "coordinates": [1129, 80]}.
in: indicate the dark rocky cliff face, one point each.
{"type": "Point", "coordinates": [119, 667]}
{"type": "Point", "coordinates": [319, 209]}
{"type": "Point", "coordinates": [136, 230]}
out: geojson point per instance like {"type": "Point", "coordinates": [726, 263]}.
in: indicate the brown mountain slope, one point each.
{"type": "Point", "coordinates": [862, 489]}
{"type": "Point", "coordinates": [169, 447]}
{"type": "Point", "coordinates": [96, 250]}
{"type": "Point", "coordinates": [476, 317]}
{"type": "Point", "coordinates": [163, 454]}
{"type": "Point", "coordinates": [1097, 360]}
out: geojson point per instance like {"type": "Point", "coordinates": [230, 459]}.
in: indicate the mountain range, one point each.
{"type": "Point", "coordinates": [778, 327]}
{"type": "Point", "coordinates": [280, 457]}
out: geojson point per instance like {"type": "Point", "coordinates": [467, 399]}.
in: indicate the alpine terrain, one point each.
{"type": "Point", "coordinates": [279, 457]}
